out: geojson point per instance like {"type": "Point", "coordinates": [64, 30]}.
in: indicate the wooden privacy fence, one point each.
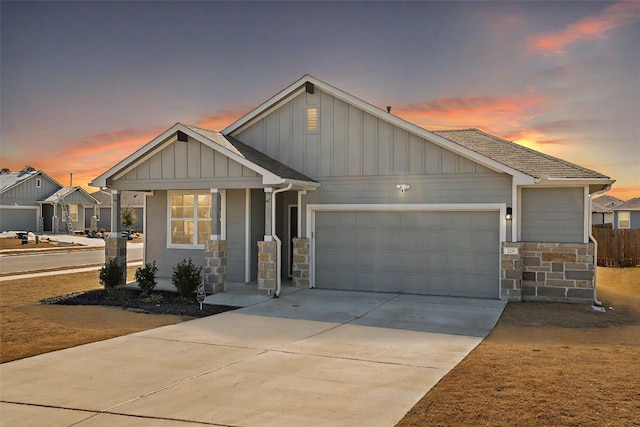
{"type": "Point", "coordinates": [617, 248]}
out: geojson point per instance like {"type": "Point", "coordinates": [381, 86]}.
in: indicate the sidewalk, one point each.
{"type": "Point", "coordinates": [61, 271]}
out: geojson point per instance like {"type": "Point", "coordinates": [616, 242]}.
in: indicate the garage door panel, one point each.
{"type": "Point", "coordinates": [437, 253]}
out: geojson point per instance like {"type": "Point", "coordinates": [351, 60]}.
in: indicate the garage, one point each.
{"type": "Point", "coordinates": [453, 253]}
{"type": "Point", "coordinates": [17, 219]}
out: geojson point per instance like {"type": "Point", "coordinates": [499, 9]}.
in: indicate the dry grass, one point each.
{"type": "Point", "coordinates": [16, 244]}
{"type": "Point", "coordinates": [29, 328]}
{"type": "Point", "coordinates": [549, 364]}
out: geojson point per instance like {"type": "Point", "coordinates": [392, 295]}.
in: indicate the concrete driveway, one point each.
{"type": "Point", "coordinates": [313, 357]}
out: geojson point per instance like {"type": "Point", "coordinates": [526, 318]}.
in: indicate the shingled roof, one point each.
{"type": "Point", "coordinates": [629, 205]}
{"type": "Point", "coordinates": [523, 159]}
{"type": "Point", "coordinates": [251, 154]}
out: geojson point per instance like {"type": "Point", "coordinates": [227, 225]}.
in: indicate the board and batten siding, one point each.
{"type": "Point", "coordinates": [236, 217]}
{"type": "Point", "coordinates": [26, 193]}
{"type": "Point", "coordinates": [552, 215]}
{"type": "Point", "coordinates": [349, 142]}
{"type": "Point", "coordinates": [187, 165]}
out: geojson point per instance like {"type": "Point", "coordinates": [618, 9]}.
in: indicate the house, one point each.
{"type": "Point", "coordinates": [31, 200]}
{"type": "Point", "coordinates": [102, 212]}
{"type": "Point", "coordinates": [627, 215]}
{"type": "Point", "coordinates": [319, 186]}
{"type": "Point", "coordinates": [601, 209]}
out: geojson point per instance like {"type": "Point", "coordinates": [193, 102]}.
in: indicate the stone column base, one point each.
{"type": "Point", "coordinates": [267, 259]}
{"type": "Point", "coordinates": [215, 266]}
{"type": "Point", "coordinates": [116, 247]}
{"type": "Point", "coordinates": [55, 225]}
{"type": "Point", "coordinates": [301, 263]}
{"type": "Point", "coordinates": [40, 224]}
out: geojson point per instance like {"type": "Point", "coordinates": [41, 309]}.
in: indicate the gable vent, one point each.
{"type": "Point", "coordinates": [309, 87]}
{"type": "Point", "coordinates": [182, 137]}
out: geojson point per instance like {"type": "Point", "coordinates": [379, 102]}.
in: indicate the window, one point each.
{"type": "Point", "coordinates": [190, 218]}
{"type": "Point", "coordinates": [312, 119]}
{"type": "Point", "coordinates": [624, 219]}
{"type": "Point", "coordinates": [73, 212]}
{"type": "Point", "coordinates": [38, 183]}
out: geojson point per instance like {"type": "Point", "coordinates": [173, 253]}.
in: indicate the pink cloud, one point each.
{"type": "Point", "coordinates": [498, 113]}
{"type": "Point", "coordinates": [590, 28]}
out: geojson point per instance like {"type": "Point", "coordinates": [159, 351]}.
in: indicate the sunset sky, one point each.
{"type": "Point", "coordinates": [84, 84]}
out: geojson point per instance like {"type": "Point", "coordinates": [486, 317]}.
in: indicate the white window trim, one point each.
{"type": "Point", "coordinates": [38, 182]}
{"type": "Point", "coordinates": [182, 192]}
{"type": "Point", "coordinates": [628, 219]}
{"type": "Point", "coordinates": [501, 208]}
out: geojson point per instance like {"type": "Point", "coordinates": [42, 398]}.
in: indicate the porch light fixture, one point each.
{"type": "Point", "coordinates": [509, 214]}
{"type": "Point", "coordinates": [403, 187]}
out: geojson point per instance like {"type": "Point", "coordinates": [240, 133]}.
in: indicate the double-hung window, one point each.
{"type": "Point", "coordinates": [189, 219]}
{"type": "Point", "coordinates": [73, 212]}
{"type": "Point", "coordinates": [624, 219]}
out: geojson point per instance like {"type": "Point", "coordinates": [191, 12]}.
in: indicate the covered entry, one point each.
{"type": "Point", "coordinates": [453, 253]}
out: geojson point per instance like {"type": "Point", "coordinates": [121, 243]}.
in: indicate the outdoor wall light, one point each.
{"type": "Point", "coordinates": [509, 214]}
{"type": "Point", "coordinates": [403, 187]}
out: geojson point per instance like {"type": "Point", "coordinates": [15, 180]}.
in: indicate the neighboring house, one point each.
{"type": "Point", "coordinates": [601, 209]}
{"type": "Point", "coordinates": [102, 212]}
{"type": "Point", "coordinates": [31, 200]}
{"type": "Point", "coordinates": [361, 200]}
{"type": "Point", "coordinates": [627, 215]}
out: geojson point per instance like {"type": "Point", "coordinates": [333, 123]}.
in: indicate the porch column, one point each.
{"type": "Point", "coordinates": [39, 220]}
{"type": "Point", "coordinates": [215, 249]}
{"type": "Point", "coordinates": [267, 251]}
{"type": "Point", "coordinates": [116, 245]}
{"type": "Point", "coordinates": [55, 223]}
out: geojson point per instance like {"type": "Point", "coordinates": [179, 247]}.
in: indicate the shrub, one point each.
{"type": "Point", "coordinates": [186, 277]}
{"type": "Point", "coordinates": [146, 277]}
{"type": "Point", "coordinates": [111, 274]}
{"type": "Point", "coordinates": [153, 299]}
{"type": "Point", "coordinates": [129, 218]}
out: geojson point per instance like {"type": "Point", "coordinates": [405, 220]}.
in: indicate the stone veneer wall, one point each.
{"type": "Point", "coordinates": [40, 224]}
{"type": "Point", "coordinates": [559, 272]}
{"type": "Point", "coordinates": [267, 267]}
{"type": "Point", "coordinates": [301, 263]}
{"type": "Point", "coordinates": [215, 266]}
{"type": "Point", "coordinates": [116, 247]}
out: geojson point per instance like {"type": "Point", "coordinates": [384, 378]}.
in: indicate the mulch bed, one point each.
{"type": "Point", "coordinates": [129, 299]}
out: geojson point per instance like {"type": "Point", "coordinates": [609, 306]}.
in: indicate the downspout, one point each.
{"type": "Point", "coordinates": [275, 237]}
{"type": "Point", "coordinates": [596, 302]}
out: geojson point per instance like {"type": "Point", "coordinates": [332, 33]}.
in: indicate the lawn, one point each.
{"type": "Point", "coordinates": [543, 364]}
{"type": "Point", "coordinates": [549, 364]}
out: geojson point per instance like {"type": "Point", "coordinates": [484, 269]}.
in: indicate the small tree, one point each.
{"type": "Point", "coordinates": [146, 277]}
{"type": "Point", "coordinates": [186, 277]}
{"type": "Point", "coordinates": [111, 274]}
{"type": "Point", "coordinates": [129, 218]}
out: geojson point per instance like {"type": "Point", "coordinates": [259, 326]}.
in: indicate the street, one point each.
{"type": "Point", "coordinates": [61, 259]}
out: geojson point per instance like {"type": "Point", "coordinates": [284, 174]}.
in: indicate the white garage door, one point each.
{"type": "Point", "coordinates": [421, 252]}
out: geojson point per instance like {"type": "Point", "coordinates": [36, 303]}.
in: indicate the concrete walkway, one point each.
{"type": "Point", "coordinates": [312, 357]}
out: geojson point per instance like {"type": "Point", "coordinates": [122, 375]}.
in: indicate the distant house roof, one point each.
{"type": "Point", "coordinates": [9, 180]}
{"type": "Point", "coordinates": [608, 201]}
{"type": "Point", "coordinates": [629, 205]}
{"type": "Point", "coordinates": [65, 192]}
{"type": "Point", "coordinates": [523, 159]}
{"type": "Point", "coordinates": [132, 199]}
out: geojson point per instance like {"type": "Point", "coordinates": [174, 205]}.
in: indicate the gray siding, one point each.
{"type": "Point", "coordinates": [104, 221]}
{"type": "Point", "coordinates": [257, 228]}
{"type": "Point", "coordinates": [349, 143]}
{"type": "Point", "coordinates": [156, 239]}
{"type": "Point", "coordinates": [634, 219]}
{"type": "Point", "coordinates": [26, 193]}
{"type": "Point", "coordinates": [554, 215]}
{"type": "Point", "coordinates": [187, 165]}
{"type": "Point", "coordinates": [235, 235]}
